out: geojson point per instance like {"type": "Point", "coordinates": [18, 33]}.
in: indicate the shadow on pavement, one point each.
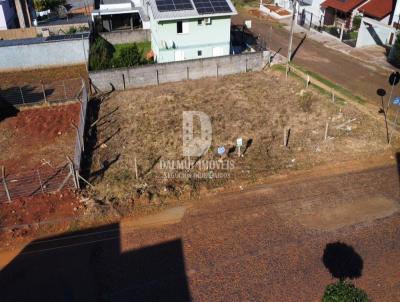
{"type": "Point", "coordinates": [90, 266]}
{"type": "Point", "coordinates": [342, 261]}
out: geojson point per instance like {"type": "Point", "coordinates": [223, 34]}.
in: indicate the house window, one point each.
{"type": "Point", "coordinates": [200, 22]}
{"type": "Point", "coordinates": [199, 53]}
{"type": "Point", "coordinates": [182, 27]}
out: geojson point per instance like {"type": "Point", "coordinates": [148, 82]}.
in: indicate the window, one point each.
{"type": "Point", "coordinates": [199, 53]}
{"type": "Point", "coordinates": [199, 22]}
{"type": "Point", "coordinates": [182, 27]}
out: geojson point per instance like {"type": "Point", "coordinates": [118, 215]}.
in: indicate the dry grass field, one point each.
{"type": "Point", "coordinates": [146, 124]}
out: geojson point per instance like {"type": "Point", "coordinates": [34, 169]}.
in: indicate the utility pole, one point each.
{"type": "Point", "coordinates": [291, 36]}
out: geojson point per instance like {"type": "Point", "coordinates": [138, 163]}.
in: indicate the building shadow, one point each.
{"type": "Point", "coordinates": [24, 95]}
{"type": "Point", "coordinates": [7, 110]}
{"type": "Point", "coordinates": [342, 261]}
{"type": "Point", "coordinates": [90, 266]}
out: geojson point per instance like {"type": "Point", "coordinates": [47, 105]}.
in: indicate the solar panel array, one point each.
{"type": "Point", "coordinates": [212, 6]}
{"type": "Point", "coordinates": [173, 5]}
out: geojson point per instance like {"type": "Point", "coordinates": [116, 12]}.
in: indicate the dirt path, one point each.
{"type": "Point", "coordinates": [262, 244]}
{"type": "Point", "coordinates": [358, 77]}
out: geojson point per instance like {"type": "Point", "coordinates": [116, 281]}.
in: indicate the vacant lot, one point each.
{"type": "Point", "coordinates": [37, 76]}
{"type": "Point", "coordinates": [146, 124]}
{"type": "Point", "coordinates": [38, 137]}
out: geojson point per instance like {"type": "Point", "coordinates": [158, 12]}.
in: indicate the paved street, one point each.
{"type": "Point", "coordinates": [357, 76]}
{"type": "Point", "coordinates": [262, 244]}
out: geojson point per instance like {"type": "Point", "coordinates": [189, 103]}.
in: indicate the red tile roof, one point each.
{"type": "Point", "coordinates": [343, 5]}
{"type": "Point", "coordinates": [377, 8]}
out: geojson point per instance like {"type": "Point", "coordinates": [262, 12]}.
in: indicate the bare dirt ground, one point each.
{"type": "Point", "coordinates": [147, 124]}
{"type": "Point", "coordinates": [38, 137]}
{"type": "Point", "coordinates": [45, 75]}
{"type": "Point", "coordinates": [20, 220]}
{"type": "Point", "coordinates": [236, 246]}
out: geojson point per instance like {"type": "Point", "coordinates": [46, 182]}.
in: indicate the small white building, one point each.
{"type": "Point", "coordinates": [112, 15]}
{"type": "Point", "coordinates": [378, 25]}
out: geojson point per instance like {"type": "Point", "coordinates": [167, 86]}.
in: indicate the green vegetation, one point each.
{"type": "Point", "coordinates": [74, 30]}
{"type": "Point", "coordinates": [332, 85]}
{"type": "Point", "coordinates": [356, 22]}
{"type": "Point", "coordinates": [344, 291]}
{"type": "Point", "coordinates": [103, 55]}
{"type": "Point", "coordinates": [41, 5]}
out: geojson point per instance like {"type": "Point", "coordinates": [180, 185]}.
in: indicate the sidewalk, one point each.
{"type": "Point", "coordinates": [375, 55]}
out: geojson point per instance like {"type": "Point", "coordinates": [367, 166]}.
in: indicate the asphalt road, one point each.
{"type": "Point", "coordinates": [265, 243]}
{"type": "Point", "coordinates": [358, 77]}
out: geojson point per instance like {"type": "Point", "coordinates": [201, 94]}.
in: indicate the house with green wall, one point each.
{"type": "Point", "coordinates": [190, 29]}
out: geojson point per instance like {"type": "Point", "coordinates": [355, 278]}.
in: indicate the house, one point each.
{"type": "Point", "coordinates": [8, 15]}
{"type": "Point", "coordinates": [190, 29]}
{"type": "Point", "coordinates": [378, 25]}
{"type": "Point", "coordinates": [115, 15]}
{"type": "Point", "coordinates": [341, 12]}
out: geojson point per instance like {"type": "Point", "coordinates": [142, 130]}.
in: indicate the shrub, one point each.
{"type": "Point", "coordinates": [71, 30]}
{"type": "Point", "coordinates": [127, 56]}
{"type": "Point", "coordinates": [100, 54]}
{"type": "Point", "coordinates": [306, 100]}
{"type": "Point", "coordinates": [343, 292]}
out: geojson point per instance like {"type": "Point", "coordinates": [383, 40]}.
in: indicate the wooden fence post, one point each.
{"type": "Point", "coordinates": [5, 184]}
{"type": "Point", "coordinates": [65, 90]}
{"type": "Point", "coordinates": [326, 130]}
{"type": "Point", "coordinates": [22, 95]}
{"type": "Point", "coordinates": [44, 93]}
{"type": "Point", "coordinates": [40, 181]}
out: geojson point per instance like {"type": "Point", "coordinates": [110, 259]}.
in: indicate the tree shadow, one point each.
{"type": "Point", "coordinates": [342, 261]}
{"type": "Point", "coordinates": [104, 167]}
{"type": "Point", "coordinates": [91, 266]}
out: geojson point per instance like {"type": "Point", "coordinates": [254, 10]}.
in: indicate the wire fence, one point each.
{"type": "Point", "coordinates": [48, 179]}
{"type": "Point", "coordinates": [57, 91]}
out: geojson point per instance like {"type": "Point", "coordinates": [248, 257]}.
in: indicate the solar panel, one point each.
{"type": "Point", "coordinates": [173, 5]}
{"type": "Point", "coordinates": [212, 6]}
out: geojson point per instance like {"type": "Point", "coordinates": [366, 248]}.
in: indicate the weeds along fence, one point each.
{"type": "Point", "coordinates": [48, 179]}
{"type": "Point", "coordinates": [53, 92]}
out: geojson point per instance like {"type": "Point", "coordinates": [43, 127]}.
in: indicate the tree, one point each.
{"type": "Point", "coordinates": [356, 23]}
{"type": "Point", "coordinates": [41, 5]}
{"type": "Point", "coordinates": [343, 291]}
{"type": "Point", "coordinates": [100, 54]}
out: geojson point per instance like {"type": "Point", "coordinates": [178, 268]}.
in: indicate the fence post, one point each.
{"type": "Point", "coordinates": [123, 80]}
{"type": "Point", "coordinates": [80, 142]}
{"type": "Point", "coordinates": [217, 70]}
{"type": "Point", "coordinates": [187, 72]}
{"type": "Point", "coordinates": [44, 93]}
{"type": "Point", "coordinates": [22, 95]}
{"type": "Point", "coordinates": [158, 82]}
{"type": "Point", "coordinates": [65, 91]}
{"type": "Point", "coordinates": [246, 62]}
{"type": "Point", "coordinates": [40, 181]}
{"type": "Point", "coordinates": [5, 184]}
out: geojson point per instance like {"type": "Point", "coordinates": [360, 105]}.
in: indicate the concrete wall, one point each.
{"type": "Point", "coordinates": [373, 32]}
{"type": "Point", "coordinates": [41, 55]}
{"type": "Point", "coordinates": [178, 71]}
{"type": "Point", "coordinates": [18, 33]}
{"type": "Point", "coordinates": [59, 29]}
{"type": "Point", "coordinates": [127, 36]}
